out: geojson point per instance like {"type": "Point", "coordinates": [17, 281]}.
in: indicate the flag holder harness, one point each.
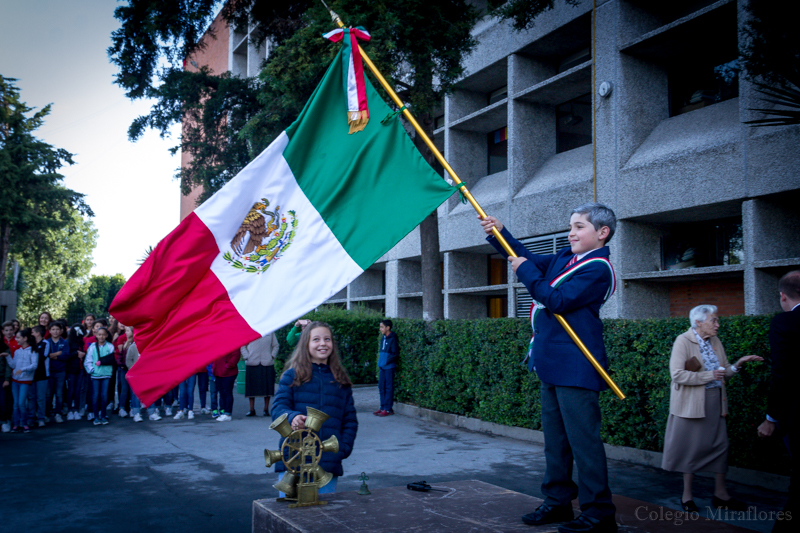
{"type": "Point", "coordinates": [464, 192]}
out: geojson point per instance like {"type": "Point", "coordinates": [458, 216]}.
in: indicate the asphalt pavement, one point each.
{"type": "Point", "coordinates": [202, 475]}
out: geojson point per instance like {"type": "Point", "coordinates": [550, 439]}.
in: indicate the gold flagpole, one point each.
{"type": "Point", "coordinates": [440, 158]}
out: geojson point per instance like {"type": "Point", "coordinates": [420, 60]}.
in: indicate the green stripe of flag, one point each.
{"type": "Point", "coordinates": [372, 187]}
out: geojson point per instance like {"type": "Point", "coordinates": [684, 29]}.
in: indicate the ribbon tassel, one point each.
{"type": "Point", "coordinates": [354, 88]}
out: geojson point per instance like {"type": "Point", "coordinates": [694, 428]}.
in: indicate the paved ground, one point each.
{"type": "Point", "coordinates": [201, 475]}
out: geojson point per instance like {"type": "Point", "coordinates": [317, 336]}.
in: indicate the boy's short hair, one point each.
{"type": "Point", "coordinates": [599, 215]}
{"type": "Point", "coordinates": [386, 322]}
{"type": "Point", "coordinates": [7, 323]}
{"type": "Point", "coordinates": [39, 329]}
{"type": "Point", "coordinates": [790, 284]}
{"type": "Point", "coordinates": [59, 324]}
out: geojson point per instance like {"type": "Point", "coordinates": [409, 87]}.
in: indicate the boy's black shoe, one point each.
{"type": "Point", "coordinates": [251, 413]}
{"type": "Point", "coordinates": [588, 524]}
{"type": "Point", "coordinates": [545, 514]}
{"type": "Point", "coordinates": [689, 506]}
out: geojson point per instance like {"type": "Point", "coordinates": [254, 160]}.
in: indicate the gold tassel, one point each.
{"type": "Point", "coordinates": [358, 120]}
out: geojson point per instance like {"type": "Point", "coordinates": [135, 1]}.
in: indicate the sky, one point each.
{"type": "Point", "coordinates": [57, 51]}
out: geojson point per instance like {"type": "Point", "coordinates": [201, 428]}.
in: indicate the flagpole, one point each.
{"type": "Point", "coordinates": [463, 188]}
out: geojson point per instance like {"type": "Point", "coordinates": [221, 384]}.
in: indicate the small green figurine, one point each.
{"type": "Point", "coordinates": [364, 490]}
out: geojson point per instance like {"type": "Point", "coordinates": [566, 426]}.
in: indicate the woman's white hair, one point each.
{"type": "Point", "coordinates": [700, 313]}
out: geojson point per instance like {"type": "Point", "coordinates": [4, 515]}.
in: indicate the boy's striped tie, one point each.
{"type": "Point", "coordinates": [572, 261]}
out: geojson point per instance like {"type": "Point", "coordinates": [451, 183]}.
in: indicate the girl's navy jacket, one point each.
{"type": "Point", "coordinates": [322, 392]}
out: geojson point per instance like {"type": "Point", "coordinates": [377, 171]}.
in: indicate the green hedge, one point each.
{"type": "Point", "coordinates": [473, 368]}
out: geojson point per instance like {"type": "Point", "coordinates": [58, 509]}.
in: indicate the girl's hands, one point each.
{"type": "Point", "coordinates": [719, 375]}
{"type": "Point", "coordinates": [490, 222]}
{"type": "Point", "coordinates": [302, 323]}
{"type": "Point", "coordinates": [98, 363]}
{"type": "Point", "coordinates": [299, 422]}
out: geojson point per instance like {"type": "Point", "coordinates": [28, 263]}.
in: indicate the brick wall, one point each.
{"type": "Point", "coordinates": [726, 294]}
{"type": "Point", "coordinates": [215, 57]}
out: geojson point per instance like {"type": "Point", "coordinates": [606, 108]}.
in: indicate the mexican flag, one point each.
{"type": "Point", "coordinates": [300, 222]}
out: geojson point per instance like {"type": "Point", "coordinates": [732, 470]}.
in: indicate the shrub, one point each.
{"type": "Point", "coordinates": [474, 368]}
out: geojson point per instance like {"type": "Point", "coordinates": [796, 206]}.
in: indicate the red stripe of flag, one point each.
{"type": "Point", "coordinates": [176, 305]}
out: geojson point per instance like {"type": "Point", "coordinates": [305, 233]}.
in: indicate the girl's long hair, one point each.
{"type": "Point", "coordinates": [301, 358]}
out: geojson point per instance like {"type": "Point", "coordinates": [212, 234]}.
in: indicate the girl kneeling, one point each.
{"type": "Point", "coordinates": [316, 378]}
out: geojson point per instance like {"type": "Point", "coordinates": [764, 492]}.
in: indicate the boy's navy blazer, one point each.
{"type": "Point", "coordinates": [556, 358]}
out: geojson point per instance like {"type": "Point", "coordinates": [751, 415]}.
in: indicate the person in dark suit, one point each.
{"type": "Point", "coordinates": [574, 283]}
{"type": "Point", "coordinates": [783, 403]}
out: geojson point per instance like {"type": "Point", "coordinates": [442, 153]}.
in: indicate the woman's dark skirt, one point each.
{"type": "Point", "coordinates": [259, 381]}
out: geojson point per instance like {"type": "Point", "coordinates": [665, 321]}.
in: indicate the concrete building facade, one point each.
{"type": "Point", "coordinates": [635, 103]}
{"type": "Point", "coordinates": [642, 103]}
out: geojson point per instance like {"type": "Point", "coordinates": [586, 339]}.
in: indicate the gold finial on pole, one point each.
{"type": "Point", "coordinates": [440, 158]}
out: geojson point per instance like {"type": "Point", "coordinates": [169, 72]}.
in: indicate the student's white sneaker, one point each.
{"type": "Point", "coordinates": [155, 416]}
{"type": "Point", "coordinates": [70, 416]}
{"type": "Point", "coordinates": [179, 415]}
{"type": "Point", "coordinates": [90, 417]}
{"type": "Point", "coordinates": [82, 412]}
{"type": "Point", "coordinates": [41, 423]}
{"type": "Point", "coordinates": [168, 411]}
{"type": "Point", "coordinates": [223, 418]}
{"type": "Point", "coordinates": [5, 427]}
{"type": "Point", "coordinates": [58, 418]}
{"type": "Point", "coordinates": [137, 417]}
{"type": "Point", "coordinates": [205, 411]}
{"type": "Point", "coordinates": [123, 413]}
{"type": "Point", "coordinates": [190, 415]}
{"type": "Point", "coordinates": [76, 415]}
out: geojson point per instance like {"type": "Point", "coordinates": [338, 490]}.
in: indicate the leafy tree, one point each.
{"type": "Point", "coordinates": [95, 296]}
{"type": "Point", "coordinates": [771, 58]}
{"type": "Point", "coordinates": [419, 45]}
{"type": "Point", "coordinates": [33, 200]}
{"type": "Point", "coordinates": [522, 13]}
{"type": "Point", "coordinates": [49, 281]}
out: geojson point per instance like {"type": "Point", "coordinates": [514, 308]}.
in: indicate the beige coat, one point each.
{"type": "Point", "coordinates": [261, 351]}
{"type": "Point", "coordinates": [687, 397]}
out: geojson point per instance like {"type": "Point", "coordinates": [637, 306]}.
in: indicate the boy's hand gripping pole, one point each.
{"type": "Point", "coordinates": [440, 158]}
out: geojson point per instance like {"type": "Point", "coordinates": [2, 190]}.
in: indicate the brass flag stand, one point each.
{"type": "Point", "coordinates": [462, 186]}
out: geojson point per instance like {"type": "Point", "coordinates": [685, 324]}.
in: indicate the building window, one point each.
{"type": "Point", "coordinates": [438, 122]}
{"type": "Point", "coordinates": [497, 307]}
{"type": "Point", "coordinates": [498, 150]}
{"type": "Point", "coordinates": [498, 270]}
{"type": "Point", "coordinates": [703, 244]}
{"type": "Point", "coordinates": [573, 60]}
{"type": "Point", "coordinates": [702, 84]}
{"type": "Point", "coordinates": [574, 123]}
{"type": "Point", "coordinates": [497, 95]}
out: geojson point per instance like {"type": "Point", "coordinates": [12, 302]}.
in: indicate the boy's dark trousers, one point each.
{"type": "Point", "coordinates": [386, 388]}
{"type": "Point", "coordinates": [571, 425]}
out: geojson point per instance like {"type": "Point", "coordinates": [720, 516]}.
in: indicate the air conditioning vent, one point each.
{"type": "Point", "coordinates": [547, 244]}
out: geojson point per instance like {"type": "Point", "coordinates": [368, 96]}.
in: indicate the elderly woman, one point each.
{"type": "Point", "coordinates": [697, 438]}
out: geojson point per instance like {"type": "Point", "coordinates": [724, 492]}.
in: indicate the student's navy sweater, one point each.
{"type": "Point", "coordinates": [389, 350]}
{"type": "Point", "coordinates": [322, 392]}
{"type": "Point", "coordinates": [59, 364]}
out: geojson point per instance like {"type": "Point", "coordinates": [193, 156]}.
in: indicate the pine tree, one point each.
{"type": "Point", "coordinates": [32, 197]}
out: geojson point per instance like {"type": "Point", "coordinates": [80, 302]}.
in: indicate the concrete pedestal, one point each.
{"type": "Point", "coordinates": [467, 507]}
